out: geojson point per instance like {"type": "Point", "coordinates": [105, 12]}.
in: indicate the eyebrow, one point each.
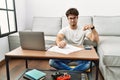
{"type": "Point", "coordinates": [72, 17]}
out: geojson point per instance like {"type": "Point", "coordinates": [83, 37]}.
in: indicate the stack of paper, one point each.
{"type": "Point", "coordinates": [66, 50]}
{"type": "Point", "coordinates": [34, 74]}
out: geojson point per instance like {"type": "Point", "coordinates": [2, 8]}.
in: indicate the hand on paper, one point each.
{"type": "Point", "coordinates": [61, 44]}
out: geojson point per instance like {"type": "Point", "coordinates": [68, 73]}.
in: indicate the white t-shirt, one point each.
{"type": "Point", "coordinates": [74, 37]}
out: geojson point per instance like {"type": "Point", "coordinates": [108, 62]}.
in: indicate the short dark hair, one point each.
{"type": "Point", "coordinates": [72, 11]}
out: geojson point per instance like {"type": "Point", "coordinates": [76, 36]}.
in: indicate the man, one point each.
{"type": "Point", "coordinates": [73, 35]}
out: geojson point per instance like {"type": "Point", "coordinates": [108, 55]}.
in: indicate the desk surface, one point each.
{"type": "Point", "coordinates": [83, 54]}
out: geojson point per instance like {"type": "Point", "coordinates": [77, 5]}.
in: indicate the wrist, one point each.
{"type": "Point", "coordinates": [92, 28]}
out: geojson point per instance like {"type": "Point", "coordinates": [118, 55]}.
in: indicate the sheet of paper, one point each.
{"type": "Point", "coordinates": [66, 50]}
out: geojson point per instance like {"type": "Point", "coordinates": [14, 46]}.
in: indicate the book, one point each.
{"type": "Point", "coordinates": [35, 74]}
{"type": "Point", "coordinates": [29, 78]}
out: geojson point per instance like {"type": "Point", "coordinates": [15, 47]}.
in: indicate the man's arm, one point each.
{"type": "Point", "coordinates": [93, 36]}
{"type": "Point", "coordinates": [59, 41]}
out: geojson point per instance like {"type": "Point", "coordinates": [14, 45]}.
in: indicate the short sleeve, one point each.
{"type": "Point", "coordinates": [63, 31]}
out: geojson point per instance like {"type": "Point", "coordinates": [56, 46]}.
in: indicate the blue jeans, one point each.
{"type": "Point", "coordinates": [62, 64]}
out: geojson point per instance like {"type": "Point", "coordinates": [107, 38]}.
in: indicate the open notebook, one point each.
{"type": "Point", "coordinates": [66, 50]}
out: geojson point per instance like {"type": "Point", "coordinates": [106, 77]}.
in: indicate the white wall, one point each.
{"type": "Point", "coordinates": [58, 8]}
{"type": "Point", "coordinates": [20, 14]}
{"type": "Point", "coordinates": [4, 47]}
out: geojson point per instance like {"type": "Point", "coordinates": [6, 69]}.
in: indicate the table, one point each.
{"type": "Point", "coordinates": [75, 75]}
{"type": "Point", "coordinates": [19, 53]}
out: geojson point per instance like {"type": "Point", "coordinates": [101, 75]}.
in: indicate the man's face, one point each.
{"type": "Point", "coordinates": [72, 19]}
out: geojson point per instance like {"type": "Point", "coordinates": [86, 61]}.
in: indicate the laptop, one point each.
{"type": "Point", "coordinates": [33, 41]}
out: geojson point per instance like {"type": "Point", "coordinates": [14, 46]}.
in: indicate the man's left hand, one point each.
{"type": "Point", "coordinates": [87, 27]}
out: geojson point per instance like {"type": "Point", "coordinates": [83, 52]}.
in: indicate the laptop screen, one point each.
{"type": "Point", "coordinates": [32, 40]}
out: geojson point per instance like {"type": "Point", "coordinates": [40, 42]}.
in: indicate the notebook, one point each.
{"type": "Point", "coordinates": [34, 74]}
{"type": "Point", "coordinates": [33, 40]}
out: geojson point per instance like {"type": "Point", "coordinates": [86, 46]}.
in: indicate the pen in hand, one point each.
{"type": "Point", "coordinates": [61, 44]}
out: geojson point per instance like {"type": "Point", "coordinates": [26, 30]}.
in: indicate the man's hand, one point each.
{"type": "Point", "coordinates": [87, 27]}
{"type": "Point", "coordinates": [61, 44]}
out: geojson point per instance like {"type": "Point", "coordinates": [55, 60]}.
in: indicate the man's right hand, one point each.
{"type": "Point", "coordinates": [61, 44]}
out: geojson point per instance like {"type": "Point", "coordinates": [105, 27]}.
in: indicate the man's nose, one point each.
{"type": "Point", "coordinates": [72, 20]}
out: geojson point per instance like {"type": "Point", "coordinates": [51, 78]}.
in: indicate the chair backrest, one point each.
{"type": "Point", "coordinates": [49, 25]}
{"type": "Point", "coordinates": [107, 25]}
